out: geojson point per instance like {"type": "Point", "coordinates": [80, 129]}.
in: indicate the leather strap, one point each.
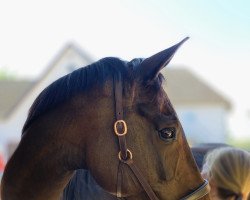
{"type": "Point", "coordinates": [125, 155]}
{"type": "Point", "coordinates": [200, 192]}
{"type": "Point", "coordinates": [147, 188]}
{"type": "Point", "coordinates": [119, 115]}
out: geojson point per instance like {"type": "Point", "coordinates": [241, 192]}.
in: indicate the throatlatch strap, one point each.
{"type": "Point", "coordinates": [119, 182]}
{"type": "Point", "coordinates": [121, 131]}
{"type": "Point", "coordinates": [119, 114]}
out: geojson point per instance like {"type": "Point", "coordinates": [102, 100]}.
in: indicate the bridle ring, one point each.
{"type": "Point", "coordinates": [129, 156]}
{"type": "Point", "coordinates": [125, 129]}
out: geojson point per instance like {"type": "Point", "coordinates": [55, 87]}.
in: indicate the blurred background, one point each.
{"type": "Point", "coordinates": [207, 80]}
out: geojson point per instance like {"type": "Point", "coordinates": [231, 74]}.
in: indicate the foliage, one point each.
{"type": "Point", "coordinates": [241, 143]}
{"type": "Point", "coordinates": [6, 74]}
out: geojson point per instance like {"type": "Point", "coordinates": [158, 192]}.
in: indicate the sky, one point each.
{"type": "Point", "coordinates": [32, 33]}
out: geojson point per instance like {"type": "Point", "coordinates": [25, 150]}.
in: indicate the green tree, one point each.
{"type": "Point", "coordinates": [6, 74]}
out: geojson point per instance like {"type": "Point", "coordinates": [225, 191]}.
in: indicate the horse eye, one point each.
{"type": "Point", "coordinates": [167, 134]}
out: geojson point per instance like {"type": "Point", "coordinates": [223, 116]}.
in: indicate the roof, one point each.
{"type": "Point", "coordinates": [184, 87]}
{"type": "Point", "coordinates": [68, 47]}
{"type": "Point", "coordinates": [14, 91]}
{"type": "Point", "coordinates": [11, 92]}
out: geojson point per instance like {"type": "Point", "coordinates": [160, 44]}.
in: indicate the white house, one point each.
{"type": "Point", "coordinates": [202, 111]}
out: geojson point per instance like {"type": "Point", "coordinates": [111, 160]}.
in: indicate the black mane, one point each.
{"type": "Point", "coordinates": [77, 82]}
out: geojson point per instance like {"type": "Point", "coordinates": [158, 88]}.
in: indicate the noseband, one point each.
{"type": "Point", "coordinates": [125, 155]}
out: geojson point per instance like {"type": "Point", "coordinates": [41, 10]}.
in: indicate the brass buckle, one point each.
{"type": "Point", "coordinates": [129, 156]}
{"type": "Point", "coordinates": [125, 129]}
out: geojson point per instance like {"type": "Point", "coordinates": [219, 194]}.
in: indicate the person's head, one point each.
{"type": "Point", "coordinates": [228, 171]}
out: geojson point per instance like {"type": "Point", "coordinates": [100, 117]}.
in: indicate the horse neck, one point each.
{"type": "Point", "coordinates": [33, 179]}
{"type": "Point", "coordinates": [45, 159]}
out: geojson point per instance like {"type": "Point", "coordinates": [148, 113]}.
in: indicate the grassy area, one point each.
{"type": "Point", "coordinates": [241, 143]}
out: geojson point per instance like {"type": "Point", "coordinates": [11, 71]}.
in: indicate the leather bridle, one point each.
{"type": "Point", "coordinates": [125, 155]}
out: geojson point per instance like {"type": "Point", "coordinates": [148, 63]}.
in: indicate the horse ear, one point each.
{"type": "Point", "coordinates": [150, 67]}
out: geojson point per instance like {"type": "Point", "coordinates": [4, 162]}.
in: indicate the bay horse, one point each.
{"type": "Point", "coordinates": [114, 119]}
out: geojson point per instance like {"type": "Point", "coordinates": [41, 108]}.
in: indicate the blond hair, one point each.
{"type": "Point", "coordinates": [230, 169]}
